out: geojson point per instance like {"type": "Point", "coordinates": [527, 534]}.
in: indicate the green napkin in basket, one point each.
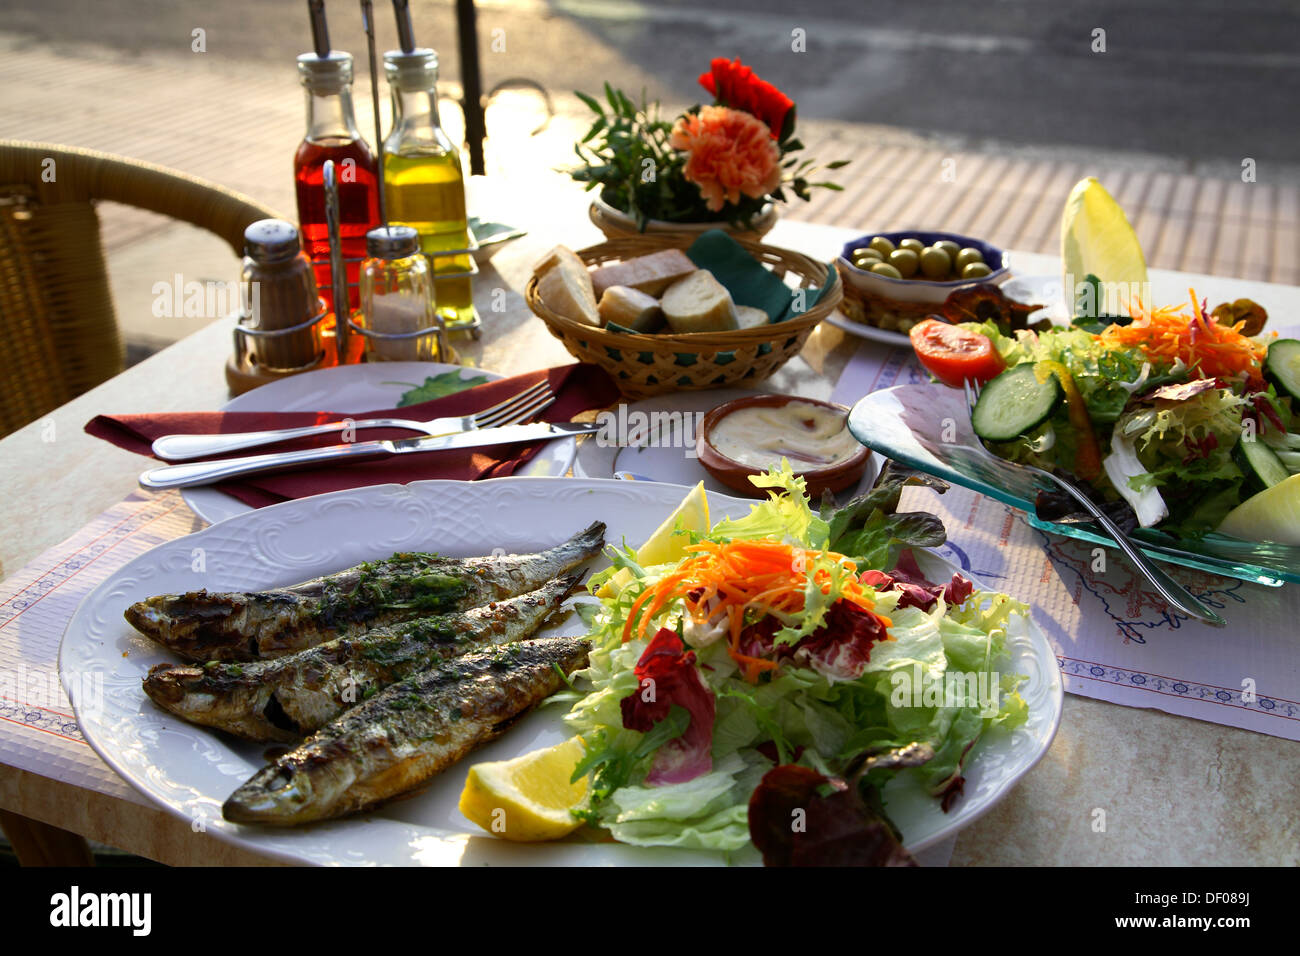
{"type": "Point", "coordinates": [748, 281]}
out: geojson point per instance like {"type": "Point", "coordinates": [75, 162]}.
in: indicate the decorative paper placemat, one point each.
{"type": "Point", "coordinates": [1113, 636]}
{"type": "Point", "coordinates": [38, 731]}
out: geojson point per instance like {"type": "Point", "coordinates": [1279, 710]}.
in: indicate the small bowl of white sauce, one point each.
{"type": "Point", "coordinates": [750, 435]}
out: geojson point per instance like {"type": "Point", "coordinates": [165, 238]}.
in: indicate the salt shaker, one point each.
{"type": "Point", "coordinates": [397, 299]}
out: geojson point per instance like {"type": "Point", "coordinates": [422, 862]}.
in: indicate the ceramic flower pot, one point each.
{"type": "Point", "coordinates": [616, 224]}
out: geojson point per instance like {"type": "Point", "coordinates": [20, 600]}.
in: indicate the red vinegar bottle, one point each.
{"type": "Point", "coordinates": [332, 134]}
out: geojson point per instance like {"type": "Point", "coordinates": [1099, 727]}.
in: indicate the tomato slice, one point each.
{"type": "Point", "coordinates": [954, 355]}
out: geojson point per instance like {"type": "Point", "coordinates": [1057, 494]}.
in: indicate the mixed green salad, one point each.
{"type": "Point", "coordinates": [792, 662]}
{"type": "Point", "coordinates": [1175, 416]}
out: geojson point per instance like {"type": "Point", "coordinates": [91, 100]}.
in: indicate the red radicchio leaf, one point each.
{"type": "Point", "coordinates": [1265, 410]}
{"type": "Point", "coordinates": [756, 640]}
{"type": "Point", "coordinates": [1201, 447]}
{"type": "Point", "coordinates": [666, 675]}
{"type": "Point", "coordinates": [768, 749]}
{"type": "Point", "coordinates": [792, 824]}
{"type": "Point", "coordinates": [841, 647]}
{"type": "Point", "coordinates": [916, 590]}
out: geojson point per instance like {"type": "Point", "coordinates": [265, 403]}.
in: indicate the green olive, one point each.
{"type": "Point", "coordinates": [950, 247]}
{"type": "Point", "coordinates": [916, 245]}
{"type": "Point", "coordinates": [935, 263]}
{"type": "Point", "coordinates": [881, 245]}
{"type": "Point", "coordinates": [975, 270]}
{"type": "Point", "coordinates": [966, 257]}
{"type": "Point", "coordinates": [905, 261]}
{"type": "Point", "coordinates": [885, 269]}
{"type": "Point", "coordinates": [866, 255]}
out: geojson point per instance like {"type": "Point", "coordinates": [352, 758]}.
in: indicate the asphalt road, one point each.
{"type": "Point", "coordinates": [1192, 80]}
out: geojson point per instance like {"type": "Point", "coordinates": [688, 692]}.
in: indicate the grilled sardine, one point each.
{"type": "Point", "coordinates": [405, 734]}
{"type": "Point", "coordinates": [289, 697]}
{"type": "Point", "coordinates": [258, 625]}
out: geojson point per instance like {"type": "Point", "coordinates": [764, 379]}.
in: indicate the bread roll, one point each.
{"type": "Point", "coordinates": [699, 303]}
{"type": "Point", "coordinates": [631, 309]}
{"type": "Point", "coordinates": [748, 317]}
{"type": "Point", "coordinates": [650, 274]}
{"type": "Point", "coordinates": [565, 286]}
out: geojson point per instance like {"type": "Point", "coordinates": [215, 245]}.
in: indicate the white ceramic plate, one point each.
{"type": "Point", "coordinates": [1046, 290]}
{"type": "Point", "coordinates": [355, 388]}
{"type": "Point", "coordinates": [190, 771]}
{"type": "Point", "coordinates": [870, 332]}
{"type": "Point", "coordinates": [669, 455]}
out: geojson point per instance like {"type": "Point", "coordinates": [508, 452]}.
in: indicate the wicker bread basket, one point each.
{"type": "Point", "coordinates": [651, 364]}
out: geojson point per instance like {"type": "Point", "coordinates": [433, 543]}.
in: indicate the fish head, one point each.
{"type": "Point", "coordinates": [219, 696]}
{"type": "Point", "coordinates": [292, 791]}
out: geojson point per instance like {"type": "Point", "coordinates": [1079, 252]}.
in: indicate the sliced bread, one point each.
{"type": "Point", "coordinates": [565, 286]}
{"type": "Point", "coordinates": [699, 303]}
{"type": "Point", "coordinates": [631, 309]}
{"type": "Point", "coordinates": [650, 274]}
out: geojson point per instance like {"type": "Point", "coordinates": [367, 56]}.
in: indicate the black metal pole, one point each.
{"type": "Point", "coordinates": [472, 81]}
{"type": "Point", "coordinates": [368, 22]}
{"type": "Point", "coordinates": [320, 32]}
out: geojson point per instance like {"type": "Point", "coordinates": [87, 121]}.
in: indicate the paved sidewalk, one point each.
{"type": "Point", "coordinates": [237, 123]}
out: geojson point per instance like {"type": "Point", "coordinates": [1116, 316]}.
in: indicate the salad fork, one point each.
{"type": "Point", "coordinates": [1177, 596]}
{"type": "Point", "coordinates": [513, 411]}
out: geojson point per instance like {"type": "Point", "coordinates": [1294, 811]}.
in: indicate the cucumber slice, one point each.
{"type": "Point", "coordinates": [1014, 403]}
{"type": "Point", "coordinates": [1260, 463]}
{"type": "Point", "coordinates": [1282, 366]}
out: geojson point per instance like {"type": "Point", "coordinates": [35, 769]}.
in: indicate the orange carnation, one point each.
{"type": "Point", "coordinates": [729, 152]}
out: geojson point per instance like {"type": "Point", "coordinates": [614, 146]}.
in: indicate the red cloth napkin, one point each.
{"type": "Point", "coordinates": [578, 388]}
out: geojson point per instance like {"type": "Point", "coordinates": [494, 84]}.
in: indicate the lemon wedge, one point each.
{"type": "Point", "coordinates": [664, 546]}
{"type": "Point", "coordinates": [1271, 515]}
{"type": "Point", "coordinates": [1096, 239]}
{"type": "Point", "coordinates": [529, 798]}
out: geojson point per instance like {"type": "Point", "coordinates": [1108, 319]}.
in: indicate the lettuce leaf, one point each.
{"type": "Point", "coordinates": [869, 528]}
{"type": "Point", "coordinates": [784, 516]}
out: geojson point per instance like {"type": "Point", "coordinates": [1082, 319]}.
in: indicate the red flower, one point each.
{"type": "Point", "coordinates": [666, 675]}
{"type": "Point", "coordinates": [733, 84]}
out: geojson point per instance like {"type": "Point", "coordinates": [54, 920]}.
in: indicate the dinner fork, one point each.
{"type": "Point", "coordinates": [1177, 596]}
{"type": "Point", "coordinates": [513, 411]}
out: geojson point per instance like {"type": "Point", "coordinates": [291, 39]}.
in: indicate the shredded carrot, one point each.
{"type": "Point", "coordinates": [1167, 334]}
{"type": "Point", "coordinates": [739, 577]}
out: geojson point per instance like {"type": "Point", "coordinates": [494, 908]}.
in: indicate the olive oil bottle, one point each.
{"type": "Point", "coordinates": [424, 185]}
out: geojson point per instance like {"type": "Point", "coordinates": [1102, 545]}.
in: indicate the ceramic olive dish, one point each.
{"type": "Point", "coordinates": [918, 290]}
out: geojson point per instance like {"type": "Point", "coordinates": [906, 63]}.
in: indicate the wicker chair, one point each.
{"type": "Point", "coordinates": [56, 310]}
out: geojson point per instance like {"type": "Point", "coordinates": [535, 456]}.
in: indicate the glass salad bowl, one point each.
{"type": "Point", "coordinates": [927, 427]}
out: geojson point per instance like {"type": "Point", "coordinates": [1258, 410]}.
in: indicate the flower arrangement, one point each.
{"type": "Point", "coordinates": [723, 161]}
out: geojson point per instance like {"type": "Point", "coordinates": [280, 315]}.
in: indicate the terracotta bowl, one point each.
{"type": "Point", "coordinates": [736, 475]}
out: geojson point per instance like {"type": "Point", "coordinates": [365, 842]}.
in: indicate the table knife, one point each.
{"type": "Point", "coordinates": [190, 474]}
